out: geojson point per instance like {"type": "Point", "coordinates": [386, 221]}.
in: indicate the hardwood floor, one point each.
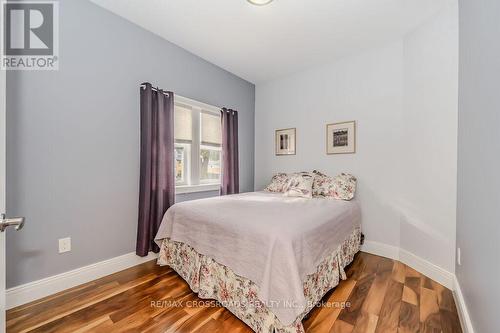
{"type": "Point", "coordinates": [384, 296]}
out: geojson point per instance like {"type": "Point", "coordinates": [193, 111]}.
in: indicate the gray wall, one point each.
{"type": "Point", "coordinates": [73, 138]}
{"type": "Point", "coordinates": [478, 213]}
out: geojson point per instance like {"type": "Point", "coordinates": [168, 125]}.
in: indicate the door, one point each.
{"type": "Point", "coordinates": [4, 222]}
{"type": "Point", "coordinates": [2, 197]}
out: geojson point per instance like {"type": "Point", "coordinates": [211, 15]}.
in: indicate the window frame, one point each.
{"type": "Point", "coordinates": [193, 183]}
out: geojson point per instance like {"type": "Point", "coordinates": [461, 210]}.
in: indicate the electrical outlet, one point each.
{"type": "Point", "coordinates": [459, 257]}
{"type": "Point", "coordinates": [64, 245]}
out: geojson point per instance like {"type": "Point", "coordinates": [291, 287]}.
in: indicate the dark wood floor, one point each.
{"type": "Point", "coordinates": [384, 295]}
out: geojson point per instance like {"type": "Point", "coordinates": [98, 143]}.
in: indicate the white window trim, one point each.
{"type": "Point", "coordinates": [194, 168]}
{"type": "Point", "coordinates": [196, 104]}
{"type": "Point", "coordinates": [182, 189]}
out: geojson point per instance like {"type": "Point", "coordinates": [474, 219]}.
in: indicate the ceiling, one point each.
{"type": "Point", "coordinates": [260, 43]}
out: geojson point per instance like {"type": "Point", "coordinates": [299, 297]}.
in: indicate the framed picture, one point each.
{"type": "Point", "coordinates": [285, 141]}
{"type": "Point", "coordinates": [341, 138]}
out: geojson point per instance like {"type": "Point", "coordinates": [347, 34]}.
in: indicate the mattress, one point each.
{"type": "Point", "coordinates": [272, 240]}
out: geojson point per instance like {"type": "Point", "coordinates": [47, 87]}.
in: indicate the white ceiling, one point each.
{"type": "Point", "coordinates": [259, 43]}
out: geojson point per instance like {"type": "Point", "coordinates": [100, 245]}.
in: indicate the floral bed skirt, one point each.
{"type": "Point", "coordinates": [212, 280]}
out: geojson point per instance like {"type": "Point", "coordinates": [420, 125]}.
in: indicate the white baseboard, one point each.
{"type": "Point", "coordinates": [53, 284]}
{"type": "Point", "coordinates": [463, 313]}
{"type": "Point", "coordinates": [380, 249]}
{"type": "Point", "coordinates": [427, 268]}
{"type": "Point", "coordinates": [421, 265]}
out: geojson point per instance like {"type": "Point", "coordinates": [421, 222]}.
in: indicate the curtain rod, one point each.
{"type": "Point", "coordinates": [154, 88]}
{"type": "Point", "coordinates": [185, 98]}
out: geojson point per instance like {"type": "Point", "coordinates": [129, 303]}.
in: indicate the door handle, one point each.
{"type": "Point", "coordinates": [18, 222]}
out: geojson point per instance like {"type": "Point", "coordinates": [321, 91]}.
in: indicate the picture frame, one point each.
{"type": "Point", "coordinates": [285, 141]}
{"type": "Point", "coordinates": [341, 138]}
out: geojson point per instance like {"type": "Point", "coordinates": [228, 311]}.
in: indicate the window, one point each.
{"type": "Point", "coordinates": [197, 146]}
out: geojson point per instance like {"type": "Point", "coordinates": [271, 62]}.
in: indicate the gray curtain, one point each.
{"type": "Point", "coordinates": [230, 183]}
{"type": "Point", "coordinates": [157, 178]}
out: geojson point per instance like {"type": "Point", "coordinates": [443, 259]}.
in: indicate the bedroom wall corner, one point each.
{"type": "Point", "coordinates": [430, 123]}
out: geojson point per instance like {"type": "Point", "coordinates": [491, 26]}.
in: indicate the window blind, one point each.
{"type": "Point", "coordinates": [210, 129]}
{"type": "Point", "coordinates": [183, 124]}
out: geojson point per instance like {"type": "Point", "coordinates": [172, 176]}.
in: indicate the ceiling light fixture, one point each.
{"type": "Point", "coordinates": [260, 2]}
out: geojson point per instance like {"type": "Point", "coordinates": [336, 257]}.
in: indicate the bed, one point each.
{"type": "Point", "coordinates": [267, 258]}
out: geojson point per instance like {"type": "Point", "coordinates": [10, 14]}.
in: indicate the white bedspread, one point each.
{"type": "Point", "coordinates": [273, 240]}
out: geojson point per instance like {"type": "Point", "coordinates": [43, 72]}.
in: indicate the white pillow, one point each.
{"type": "Point", "coordinates": [300, 185]}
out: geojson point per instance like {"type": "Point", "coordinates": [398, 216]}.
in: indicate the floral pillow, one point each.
{"type": "Point", "coordinates": [342, 187]}
{"type": "Point", "coordinates": [319, 179]}
{"type": "Point", "coordinates": [300, 185]}
{"type": "Point", "coordinates": [278, 183]}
